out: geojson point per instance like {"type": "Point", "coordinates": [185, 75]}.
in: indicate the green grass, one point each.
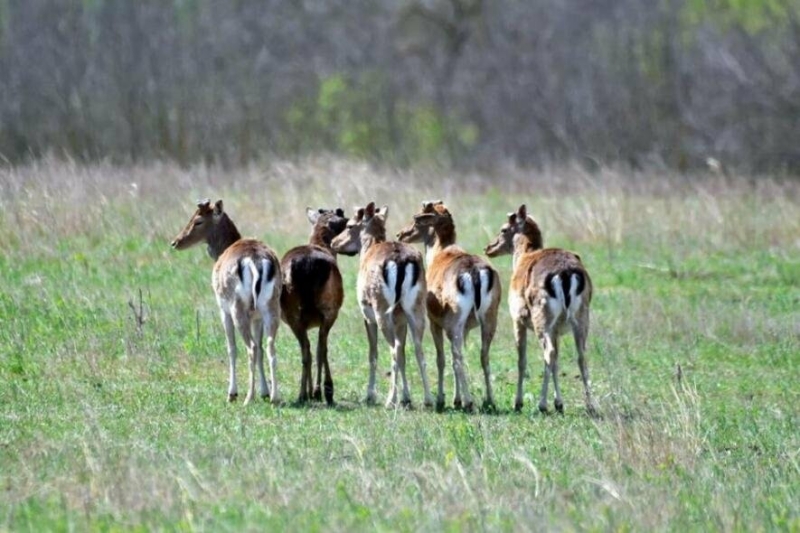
{"type": "Point", "coordinates": [107, 427]}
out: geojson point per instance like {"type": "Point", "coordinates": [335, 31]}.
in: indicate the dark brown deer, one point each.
{"type": "Point", "coordinates": [391, 292]}
{"type": "Point", "coordinates": [463, 292]}
{"type": "Point", "coordinates": [247, 282]}
{"type": "Point", "coordinates": [550, 293]}
{"type": "Point", "coordinates": [312, 296]}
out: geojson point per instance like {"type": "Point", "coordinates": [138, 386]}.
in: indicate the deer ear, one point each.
{"type": "Point", "coordinates": [427, 206]}
{"type": "Point", "coordinates": [204, 203]}
{"type": "Point", "coordinates": [383, 212]}
{"type": "Point", "coordinates": [218, 207]}
{"type": "Point", "coordinates": [369, 211]}
{"type": "Point", "coordinates": [522, 214]}
{"type": "Point", "coordinates": [360, 213]}
{"type": "Point", "coordinates": [312, 215]}
{"type": "Point", "coordinates": [339, 212]}
{"type": "Point", "coordinates": [512, 217]}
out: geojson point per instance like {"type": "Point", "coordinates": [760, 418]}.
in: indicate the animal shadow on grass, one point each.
{"type": "Point", "coordinates": [338, 405]}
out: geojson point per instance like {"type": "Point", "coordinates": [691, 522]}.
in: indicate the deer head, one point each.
{"type": "Point", "coordinates": [504, 242]}
{"type": "Point", "coordinates": [368, 224]}
{"type": "Point", "coordinates": [421, 227]}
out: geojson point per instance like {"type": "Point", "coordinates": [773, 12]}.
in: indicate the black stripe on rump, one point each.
{"type": "Point", "coordinates": [566, 284]}
{"type": "Point", "coordinates": [270, 271]}
{"type": "Point", "coordinates": [476, 279]}
{"type": "Point", "coordinates": [548, 284]}
{"type": "Point", "coordinates": [401, 275]}
{"type": "Point", "coordinates": [267, 273]}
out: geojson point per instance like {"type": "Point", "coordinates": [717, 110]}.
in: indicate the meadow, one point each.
{"type": "Point", "coordinates": [109, 422]}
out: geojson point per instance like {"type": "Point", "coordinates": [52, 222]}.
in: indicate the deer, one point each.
{"type": "Point", "coordinates": [312, 296]}
{"type": "Point", "coordinates": [247, 281]}
{"type": "Point", "coordinates": [550, 293]}
{"type": "Point", "coordinates": [391, 293]}
{"type": "Point", "coordinates": [464, 292]}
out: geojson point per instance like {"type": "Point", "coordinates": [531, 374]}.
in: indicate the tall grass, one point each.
{"type": "Point", "coordinates": [693, 351]}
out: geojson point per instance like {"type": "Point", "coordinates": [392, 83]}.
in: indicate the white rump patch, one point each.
{"type": "Point", "coordinates": [267, 287]}
{"type": "Point", "coordinates": [410, 289]}
{"type": "Point", "coordinates": [575, 299]}
{"type": "Point", "coordinates": [389, 284]}
{"type": "Point", "coordinates": [252, 276]}
{"type": "Point", "coordinates": [244, 289]}
{"type": "Point", "coordinates": [466, 300]}
{"type": "Point", "coordinates": [485, 293]}
{"type": "Point", "coordinates": [556, 306]}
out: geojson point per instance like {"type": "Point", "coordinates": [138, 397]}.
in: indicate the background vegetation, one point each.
{"type": "Point", "coordinates": [105, 425]}
{"type": "Point", "coordinates": [665, 83]}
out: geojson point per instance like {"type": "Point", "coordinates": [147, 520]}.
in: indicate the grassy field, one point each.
{"type": "Point", "coordinates": [107, 426]}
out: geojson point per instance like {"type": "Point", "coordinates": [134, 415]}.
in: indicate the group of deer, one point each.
{"type": "Point", "coordinates": [550, 293]}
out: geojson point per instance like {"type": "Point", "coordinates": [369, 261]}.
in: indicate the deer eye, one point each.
{"type": "Point", "coordinates": [198, 222]}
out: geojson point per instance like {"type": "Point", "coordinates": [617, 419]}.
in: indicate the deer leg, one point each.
{"type": "Point", "coordinates": [257, 331]}
{"type": "Point", "coordinates": [521, 339]}
{"type": "Point", "coordinates": [580, 332]}
{"type": "Point", "coordinates": [438, 342]}
{"type": "Point", "coordinates": [400, 343]}
{"type": "Point", "coordinates": [305, 354]}
{"type": "Point", "coordinates": [559, 403]}
{"type": "Point", "coordinates": [271, 323]}
{"type": "Point", "coordinates": [322, 364]}
{"type": "Point", "coordinates": [230, 340]}
{"type": "Point", "coordinates": [417, 326]}
{"type": "Point", "coordinates": [244, 326]}
{"type": "Point", "coordinates": [372, 337]}
{"type": "Point", "coordinates": [386, 324]}
{"type": "Point", "coordinates": [546, 341]}
{"type": "Point", "coordinates": [457, 404]}
{"type": "Point", "coordinates": [457, 349]}
{"type": "Point", "coordinates": [487, 335]}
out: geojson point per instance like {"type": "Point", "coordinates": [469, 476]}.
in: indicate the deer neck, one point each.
{"type": "Point", "coordinates": [223, 235]}
{"type": "Point", "coordinates": [525, 244]}
{"type": "Point", "coordinates": [441, 237]}
{"type": "Point", "coordinates": [371, 238]}
{"type": "Point", "coordinates": [322, 237]}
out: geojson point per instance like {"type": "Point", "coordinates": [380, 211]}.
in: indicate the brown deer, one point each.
{"type": "Point", "coordinates": [312, 296]}
{"type": "Point", "coordinates": [550, 293]}
{"type": "Point", "coordinates": [391, 292]}
{"type": "Point", "coordinates": [463, 292]}
{"type": "Point", "coordinates": [247, 282]}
